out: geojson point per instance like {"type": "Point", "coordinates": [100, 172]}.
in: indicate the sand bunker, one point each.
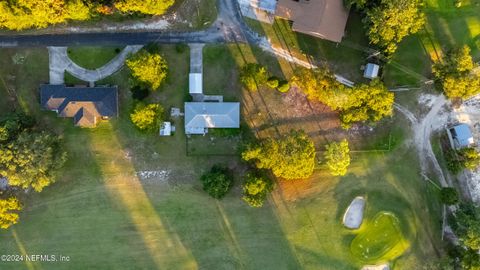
{"type": "Point", "coordinates": [354, 215]}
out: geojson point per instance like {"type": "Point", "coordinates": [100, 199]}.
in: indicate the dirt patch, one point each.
{"type": "Point", "coordinates": [271, 114]}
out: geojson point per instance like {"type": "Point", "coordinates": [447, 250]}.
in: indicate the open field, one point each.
{"type": "Point", "coordinates": [93, 57]}
{"type": "Point", "coordinates": [380, 241]}
{"type": "Point", "coordinates": [133, 200]}
{"type": "Point", "coordinates": [446, 27]}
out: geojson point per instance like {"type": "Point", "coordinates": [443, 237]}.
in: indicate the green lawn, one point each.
{"type": "Point", "coordinates": [93, 57]}
{"type": "Point", "coordinates": [446, 27]}
{"type": "Point", "coordinates": [380, 241]}
{"type": "Point", "coordinates": [344, 58]}
{"type": "Point", "coordinates": [131, 200]}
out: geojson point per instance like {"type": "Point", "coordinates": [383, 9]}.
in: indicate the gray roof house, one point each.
{"type": "Point", "coordinates": [460, 136]}
{"type": "Point", "coordinates": [200, 116]}
{"type": "Point", "coordinates": [86, 105]}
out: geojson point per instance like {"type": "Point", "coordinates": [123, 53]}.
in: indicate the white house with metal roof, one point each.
{"type": "Point", "coordinates": [200, 116]}
{"type": "Point", "coordinates": [206, 111]}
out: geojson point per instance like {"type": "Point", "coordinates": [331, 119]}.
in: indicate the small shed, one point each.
{"type": "Point", "coordinates": [460, 136]}
{"type": "Point", "coordinates": [166, 129]}
{"type": "Point", "coordinates": [371, 71]}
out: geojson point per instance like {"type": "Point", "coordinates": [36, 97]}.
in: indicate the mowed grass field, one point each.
{"type": "Point", "coordinates": [126, 200]}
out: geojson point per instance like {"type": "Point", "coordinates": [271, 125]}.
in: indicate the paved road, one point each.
{"type": "Point", "coordinates": [229, 27]}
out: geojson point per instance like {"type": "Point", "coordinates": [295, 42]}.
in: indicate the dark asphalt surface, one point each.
{"type": "Point", "coordinates": [229, 27]}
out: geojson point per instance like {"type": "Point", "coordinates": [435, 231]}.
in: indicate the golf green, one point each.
{"type": "Point", "coordinates": [381, 240]}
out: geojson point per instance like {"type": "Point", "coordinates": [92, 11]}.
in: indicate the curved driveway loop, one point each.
{"type": "Point", "coordinates": [60, 62]}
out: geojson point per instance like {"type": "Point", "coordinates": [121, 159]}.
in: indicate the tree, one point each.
{"type": "Point", "coordinates": [320, 85]}
{"type": "Point", "coordinates": [470, 260]}
{"type": "Point", "coordinates": [469, 158]}
{"type": "Point", "coordinates": [151, 7]}
{"type": "Point", "coordinates": [253, 76]}
{"type": "Point", "coordinates": [148, 69]}
{"type": "Point", "coordinates": [9, 212]}
{"type": "Point", "coordinates": [32, 160]}
{"type": "Point", "coordinates": [147, 117]}
{"type": "Point", "coordinates": [364, 102]}
{"type": "Point", "coordinates": [217, 182]}
{"type": "Point", "coordinates": [14, 123]}
{"type": "Point", "coordinates": [289, 157]}
{"type": "Point", "coordinates": [256, 189]}
{"type": "Point", "coordinates": [392, 20]}
{"type": "Point", "coordinates": [337, 155]}
{"type": "Point", "coordinates": [454, 72]}
{"type": "Point", "coordinates": [449, 196]}
{"type": "Point", "coordinates": [466, 225]}
{"type": "Point", "coordinates": [19, 15]}
{"type": "Point", "coordinates": [367, 102]}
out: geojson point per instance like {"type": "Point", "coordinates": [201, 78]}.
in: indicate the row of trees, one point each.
{"type": "Point", "coordinates": [18, 15]}
{"type": "Point", "coordinates": [253, 76]}
{"type": "Point", "coordinates": [361, 103]}
{"type": "Point", "coordinates": [219, 180]}
{"type": "Point", "coordinates": [29, 159]}
{"type": "Point", "coordinates": [290, 157]}
{"type": "Point", "coordinates": [388, 22]}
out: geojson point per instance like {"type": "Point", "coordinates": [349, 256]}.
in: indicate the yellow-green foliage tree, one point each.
{"type": "Point", "coordinates": [23, 14]}
{"type": "Point", "coordinates": [455, 74]}
{"type": "Point", "coordinates": [367, 102]}
{"type": "Point", "coordinates": [337, 156]}
{"type": "Point", "coordinates": [253, 75]}
{"type": "Point", "coordinates": [9, 212]}
{"type": "Point", "coordinates": [151, 7]}
{"type": "Point", "coordinates": [256, 189]}
{"type": "Point", "coordinates": [290, 157]}
{"type": "Point", "coordinates": [392, 20]}
{"type": "Point", "coordinates": [364, 102]}
{"type": "Point", "coordinates": [147, 117]}
{"type": "Point", "coordinates": [31, 160]}
{"type": "Point", "coordinates": [149, 69]}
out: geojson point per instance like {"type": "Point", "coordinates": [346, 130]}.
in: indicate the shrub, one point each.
{"type": "Point", "coordinates": [283, 86]}
{"type": "Point", "coordinates": [217, 182]}
{"type": "Point", "coordinates": [147, 117]}
{"type": "Point", "coordinates": [256, 189]}
{"type": "Point", "coordinates": [272, 82]}
{"type": "Point", "coordinates": [449, 196]}
{"type": "Point", "coordinates": [253, 75]}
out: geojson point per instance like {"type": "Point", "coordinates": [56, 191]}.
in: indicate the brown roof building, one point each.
{"type": "Point", "coordinates": [87, 106]}
{"type": "Point", "coordinates": [321, 18]}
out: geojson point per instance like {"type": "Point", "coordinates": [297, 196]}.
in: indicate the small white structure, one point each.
{"type": "Point", "coordinates": [371, 71]}
{"type": "Point", "coordinates": [195, 83]}
{"type": "Point", "coordinates": [166, 129]}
